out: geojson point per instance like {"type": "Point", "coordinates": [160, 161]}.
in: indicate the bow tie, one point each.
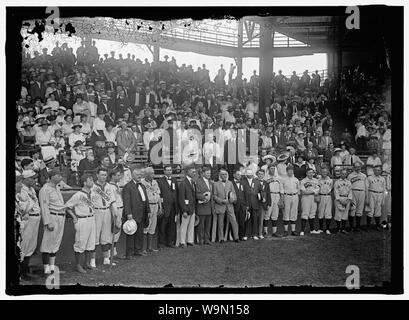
{"type": "Point", "coordinates": [170, 179]}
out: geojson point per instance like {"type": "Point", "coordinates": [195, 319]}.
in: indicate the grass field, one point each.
{"type": "Point", "coordinates": [317, 260]}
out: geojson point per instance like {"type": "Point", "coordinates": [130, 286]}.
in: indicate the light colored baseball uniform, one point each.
{"type": "Point", "coordinates": [376, 190]}
{"type": "Point", "coordinates": [325, 204]}
{"type": "Point", "coordinates": [103, 198]}
{"type": "Point", "coordinates": [342, 191]}
{"type": "Point", "coordinates": [53, 213]}
{"type": "Point", "coordinates": [276, 188]}
{"type": "Point", "coordinates": [358, 185]}
{"type": "Point", "coordinates": [29, 234]}
{"type": "Point", "coordinates": [309, 188]}
{"type": "Point", "coordinates": [117, 191]}
{"type": "Point", "coordinates": [85, 228]}
{"type": "Point", "coordinates": [291, 189]}
{"type": "Point", "coordinates": [153, 192]}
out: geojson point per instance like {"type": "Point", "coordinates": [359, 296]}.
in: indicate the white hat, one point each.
{"type": "Point", "coordinates": [28, 174]}
{"type": "Point", "coordinates": [130, 227]}
{"type": "Point", "coordinates": [269, 156]}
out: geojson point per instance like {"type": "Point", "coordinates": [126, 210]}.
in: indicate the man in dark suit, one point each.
{"type": "Point", "coordinates": [168, 189]}
{"type": "Point", "coordinates": [122, 105]}
{"type": "Point", "coordinates": [277, 139]}
{"type": "Point", "coordinates": [275, 114]}
{"type": "Point", "coordinates": [109, 83]}
{"type": "Point", "coordinates": [292, 159]}
{"type": "Point", "coordinates": [284, 116]}
{"type": "Point", "coordinates": [37, 88]}
{"type": "Point", "coordinates": [209, 103]}
{"type": "Point", "coordinates": [138, 99]}
{"type": "Point", "coordinates": [240, 206]}
{"type": "Point", "coordinates": [266, 116]}
{"type": "Point", "coordinates": [187, 205]}
{"type": "Point", "coordinates": [136, 206]}
{"type": "Point", "coordinates": [151, 97]}
{"type": "Point", "coordinates": [204, 205]}
{"type": "Point", "coordinates": [252, 191]}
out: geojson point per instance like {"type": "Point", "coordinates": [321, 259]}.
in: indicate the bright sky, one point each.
{"type": "Point", "coordinates": [287, 65]}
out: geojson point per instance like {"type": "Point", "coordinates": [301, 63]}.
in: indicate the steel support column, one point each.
{"type": "Point", "coordinates": [156, 50]}
{"type": "Point", "coordinates": [239, 60]}
{"type": "Point", "coordinates": [266, 65]}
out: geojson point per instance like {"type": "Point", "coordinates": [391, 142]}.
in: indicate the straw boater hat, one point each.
{"type": "Point", "coordinates": [130, 227]}
{"type": "Point", "coordinates": [27, 124]}
{"type": "Point", "coordinates": [44, 122]}
{"type": "Point", "coordinates": [28, 174]}
{"type": "Point", "coordinates": [269, 156]}
{"type": "Point", "coordinates": [76, 125]}
{"type": "Point", "coordinates": [282, 157]}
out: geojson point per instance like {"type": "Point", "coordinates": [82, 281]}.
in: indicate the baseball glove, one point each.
{"type": "Point", "coordinates": [281, 203]}
{"type": "Point", "coordinates": [317, 198]}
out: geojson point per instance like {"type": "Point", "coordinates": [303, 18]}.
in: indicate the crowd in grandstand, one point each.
{"type": "Point", "coordinates": [92, 117]}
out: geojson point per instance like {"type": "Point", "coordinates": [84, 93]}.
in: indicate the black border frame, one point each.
{"type": "Point", "coordinates": [392, 16]}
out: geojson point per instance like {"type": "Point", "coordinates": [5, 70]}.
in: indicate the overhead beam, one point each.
{"type": "Point", "coordinates": [306, 24]}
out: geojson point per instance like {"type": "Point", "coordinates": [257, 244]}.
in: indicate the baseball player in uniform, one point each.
{"type": "Point", "coordinates": [291, 190]}
{"type": "Point", "coordinates": [358, 182]}
{"type": "Point", "coordinates": [53, 216]}
{"type": "Point", "coordinates": [30, 208]}
{"type": "Point", "coordinates": [309, 188]}
{"type": "Point", "coordinates": [153, 192]}
{"type": "Point", "coordinates": [105, 209]}
{"type": "Point", "coordinates": [276, 193]}
{"type": "Point", "coordinates": [81, 208]}
{"type": "Point", "coordinates": [343, 198]}
{"type": "Point", "coordinates": [325, 205]}
{"type": "Point", "coordinates": [115, 181]}
{"type": "Point", "coordinates": [376, 186]}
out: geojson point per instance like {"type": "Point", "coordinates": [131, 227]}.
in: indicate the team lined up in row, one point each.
{"type": "Point", "coordinates": [168, 208]}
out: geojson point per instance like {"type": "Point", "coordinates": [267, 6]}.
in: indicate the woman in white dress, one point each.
{"type": "Point", "coordinates": [110, 132]}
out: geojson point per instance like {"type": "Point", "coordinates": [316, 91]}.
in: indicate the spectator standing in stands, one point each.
{"type": "Point", "coordinates": [372, 162]}
{"type": "Point", "coordinates": [300, 167]}
{"type": "Point", "coordinates": [361, 136]}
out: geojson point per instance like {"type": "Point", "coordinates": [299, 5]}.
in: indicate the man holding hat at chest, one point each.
{"type": "Point", "coordinates": [53, 216]}
{"type": "Point", "coordinates": [205, 207]}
